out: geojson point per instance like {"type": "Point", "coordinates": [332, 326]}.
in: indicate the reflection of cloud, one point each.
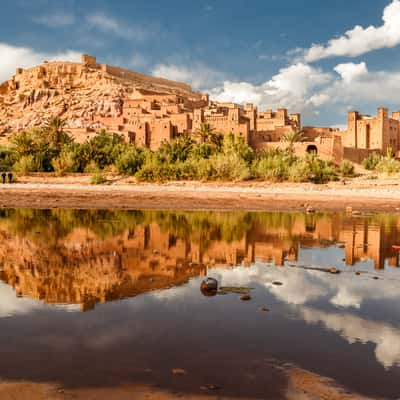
{"type": "Point", "coordinates": [353, 329]}
{"type": "Point", "coordinates": [11, 305]}
{"type": "Point", "coordinates": [303, 286]}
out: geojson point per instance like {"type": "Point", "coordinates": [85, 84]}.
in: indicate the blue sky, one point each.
{"type": "Point", "coordinates": [320, 58]}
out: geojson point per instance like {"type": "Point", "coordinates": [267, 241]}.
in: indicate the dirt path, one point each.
{"type": "Point", "coordinates": [333, 197]}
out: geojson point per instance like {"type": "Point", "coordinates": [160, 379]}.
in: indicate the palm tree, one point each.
{"type": "Point", "coordinates": [54, 128]}
{"type": "Point", "coordinates": [293, 137]}
{"type": "Point", "coordinates": [24, 143]}
{"type": "Point", "coordinates": [206, 133]}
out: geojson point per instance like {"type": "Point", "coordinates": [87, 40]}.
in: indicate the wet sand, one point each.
{"type": "Point", "coordinates": [76, 192]}
{"type": "Point", "coordinates": [302, 385]}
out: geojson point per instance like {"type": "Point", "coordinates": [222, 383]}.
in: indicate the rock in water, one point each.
{"type": "Point", "coordinates": [209, 287]}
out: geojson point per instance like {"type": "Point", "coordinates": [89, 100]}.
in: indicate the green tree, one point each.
{"type": "Point", "coordinates": [175, 150]}
{"type": "Point", "coordinates": [54, 129]}
{"type": "Point", "coordinates": [207, 134]}
{"type": "Point", "coordinates": [23, 143]}
{"type": "Point", "coordinates": [293, 137]}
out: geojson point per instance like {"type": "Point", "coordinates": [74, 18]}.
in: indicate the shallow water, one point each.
{"type": "Point", "coordinates": [100, 298]}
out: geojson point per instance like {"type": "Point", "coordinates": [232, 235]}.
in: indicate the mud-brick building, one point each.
{"type": "Point", "coordinates": [366, 134]}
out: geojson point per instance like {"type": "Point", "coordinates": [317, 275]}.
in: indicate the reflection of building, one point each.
{"type": "Point", "coordinates": [83, 268]}
{"type": "Point", "coordinates": [369, 241]}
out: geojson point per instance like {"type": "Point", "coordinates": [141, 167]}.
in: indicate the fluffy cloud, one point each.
{"type": "Point", "coordinates": [198, 75]}
{"type": "Point", "coordinates": [299, 87]}
{"type": "Point", "coordinates": [12, 57]}
{"type": "Point", "coordinates": [293, 87]}
{"type": "Point", "coordinates": [110, 25]}
{"type": "Point", "coordinates": [358, 86]}
{"type": "Point", "coordinates": [350, 71]}
{"type": "Point", "coordinates": [361, 40]}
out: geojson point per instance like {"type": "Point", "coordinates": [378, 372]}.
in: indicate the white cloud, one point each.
{"type": "Point", "coordinates": [55, 20]}
{"type": "Point", "coordinates": [350, 71]}
{"type": "Point", "coordinates": [238, 92]}
{"type": "Point", "coordinates": [198, 75]}
{"type": "Point", "coordinates": [111, 25]}
{"type": "Point", "coordinates": [12, 57]}
{"type": "Point", "coordinates": [364, 89]}
{"type": "Point", "coordinates": [361, 40]}
{"type": "Point", "coordinates": [293, 87]}
{"type": "Point", "coordinates": [318, 100]}
{"type": "Point", "coordinates": [298, 87]}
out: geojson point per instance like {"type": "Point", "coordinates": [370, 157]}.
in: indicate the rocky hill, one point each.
{"type": "Point", "coordinates": [77, 92]}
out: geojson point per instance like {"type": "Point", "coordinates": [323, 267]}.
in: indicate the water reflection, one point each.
{"type": "Point", "coordinates": [56, 263]}
{"type": "Point", "coordinates": [86, 257]}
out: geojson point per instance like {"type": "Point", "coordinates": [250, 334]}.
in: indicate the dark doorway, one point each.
{"type": "Point", "coordinates": [312, 149]}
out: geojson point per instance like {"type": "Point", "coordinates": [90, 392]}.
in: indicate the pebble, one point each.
{"type": "Point", "coordinates": [245, 297]}
{"type": "Point", "coordinates": [265, 309]}
{"type": "Point", "coordinates": [178, 371]}
{"type": "Point", "coordinates": [277, 283]}
{"type": "Point", "coordinates": [210, 386]}
{"type": "Point", "coordinates": [334, 270]}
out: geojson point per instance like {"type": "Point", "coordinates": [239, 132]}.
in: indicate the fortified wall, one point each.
{"type": "Point", "coordinates": [153, 82]}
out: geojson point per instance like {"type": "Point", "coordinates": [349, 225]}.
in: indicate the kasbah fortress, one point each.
{"type": "Point", "coordinates": [147, 111]}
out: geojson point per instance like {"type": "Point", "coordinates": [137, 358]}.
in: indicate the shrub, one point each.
{"type": "Point", "coordinates": [235, 144]}
{"type": "Point", "coordinates": [175, 150]}
{"type": "Point", "coordinates": [346, 169]}
{"type": "Point", "coordinates": [388, 166]}
{"type": "Point", "coordinates": [273, 165]}
{"type": "Point", "coordinates": [203, 169]}
{"type": "Point", "coordinates": [98, 178]}
{"type": "Point", "coordinates": [312, 169]}
{"type": "Point", "coordinates": [62, 164]}
{"type": "Point", "coordinates": [390, 152]}
{"type": "Point", "coordinates": [26, 164]}
{"type": "Point", "coordinates": [92, 167]}
{"type": "Point", "coordinates": [7, 158]}
{"type": "Point", "coordinates": [79, 154]}
{"type": "Point", "coordinates": [229, 167]}
{"type": "Point", "coordinates": [130, 161]}
{"type": "Point", "coordinates": [104, 148]}
{"type": "Point", "coordinates": [371, 161]}
{"type": "Point", "coordinates": [202, 151]}
{"type": "Point", "coordinates": [153, 170]}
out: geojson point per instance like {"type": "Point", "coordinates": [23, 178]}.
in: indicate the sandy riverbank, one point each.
{"type": "Point", "coordinates": [301, 385]}
{"type": "Point", "coordinates": [43, 191]}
